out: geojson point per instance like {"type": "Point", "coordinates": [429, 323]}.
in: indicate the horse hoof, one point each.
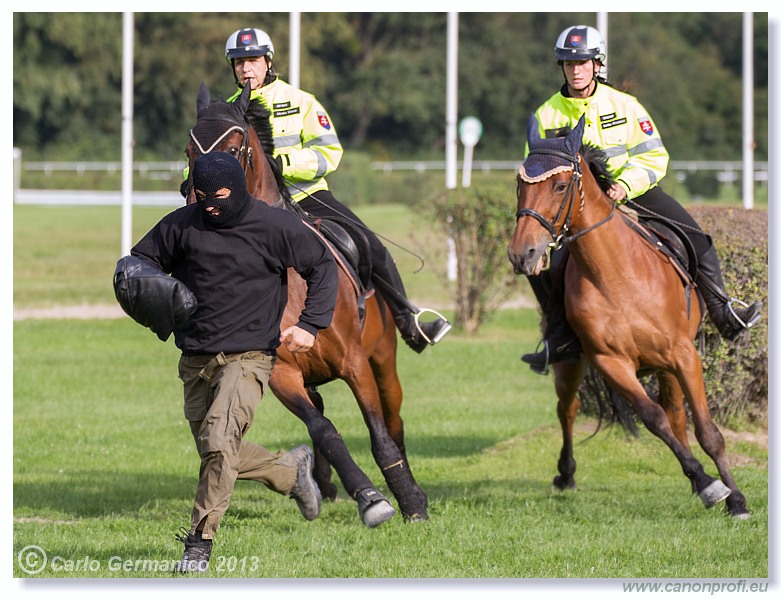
{"type": "Point", "coordinates": [328, 492]}
{"type": "Point", "coordinates": [740, 515]}
{"type": "Point", "coordinates": [714, 493]}
{"type": "Point", "coordinates": [373, 508]}
{"type": "Point", "coordinates": [560, 484]}
{"type": "Point", "coordinates": [416, 518]}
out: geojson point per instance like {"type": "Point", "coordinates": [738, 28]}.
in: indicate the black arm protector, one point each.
{"type": "Point", "coordinates": [151, 297]}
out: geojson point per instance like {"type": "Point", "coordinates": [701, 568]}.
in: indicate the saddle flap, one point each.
{"type": "Point", "coordinates": [348, 239]}
{"type": "Point", "coordinates": [667, 239]}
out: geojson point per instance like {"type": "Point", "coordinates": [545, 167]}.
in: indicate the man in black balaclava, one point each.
{"type": "Point", "coordinates": [221, 190]}
{"type": "Point", "coordinates": [233, 253]}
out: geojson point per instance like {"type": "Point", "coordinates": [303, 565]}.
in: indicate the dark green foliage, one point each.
{"type": "Point", "coordinates": [480, 222]}
{"type": "Point", "coordinates": [702, 184]}
{"type": "Point", "coordinates": [380, 75]}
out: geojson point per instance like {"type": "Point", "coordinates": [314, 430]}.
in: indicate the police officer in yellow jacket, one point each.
{"type": "Point", "coordinates": [618, 124]}
{"type": "Point", "coordinates": [307, 149]}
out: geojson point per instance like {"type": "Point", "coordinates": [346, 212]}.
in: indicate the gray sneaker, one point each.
{"type": "Point", "coordinates": [305, 491]}
{"type": "Point", "coordinates": [197, 552]}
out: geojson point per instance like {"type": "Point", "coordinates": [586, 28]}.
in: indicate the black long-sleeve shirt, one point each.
{"type": "Point", "coordinates": [239, 276]}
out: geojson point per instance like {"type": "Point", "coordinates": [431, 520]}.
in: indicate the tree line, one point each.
{"type": "Point", "coordinates": [381, 76]}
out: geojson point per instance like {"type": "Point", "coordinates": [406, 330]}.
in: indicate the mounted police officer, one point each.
{"type": "Point", "coordinates": [307, 149]}
{"type": "Point", "coordinates": [618, 124]}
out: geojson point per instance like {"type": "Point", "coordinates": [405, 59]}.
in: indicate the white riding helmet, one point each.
{"type": "Point", "coordinates": [581, 42]}
{"type": "Point", "coordinates": [248, 42]}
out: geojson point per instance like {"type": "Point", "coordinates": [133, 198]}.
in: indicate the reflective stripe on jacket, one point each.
{"type": "Point", "coordinates": [618, 124]}
{"type": "Point", "coordinates": [304, 137]}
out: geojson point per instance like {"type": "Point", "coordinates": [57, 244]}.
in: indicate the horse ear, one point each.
{"type": "Point", "coordinates": [532, 130]}
{"type": "Point", "coordinates": [243, 101]}
{"type": "Point", "coordinates": [204, 98]}
{"type": "Point", "coordinates": [575, 137]}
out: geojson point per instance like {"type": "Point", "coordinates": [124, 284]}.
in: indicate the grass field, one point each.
{"type": "Point", "coordinates": [104, 468]}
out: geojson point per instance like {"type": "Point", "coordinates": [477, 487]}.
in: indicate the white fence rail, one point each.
{"type": "Point", "coordinates": [726, 172]}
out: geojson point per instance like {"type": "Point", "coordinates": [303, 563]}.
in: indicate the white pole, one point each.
{"type": "Point", "coordinates": [451, 116]}
{"type": "Point", "coordinates": [602, 28]}
{"type": "Point", "coordinates": [127, 132]}
{"type": "Point", "coordinates": [748, 110]}
{"type": "Point", "coordinates": [294, 77]}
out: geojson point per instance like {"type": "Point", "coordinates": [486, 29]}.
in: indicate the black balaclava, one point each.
{"type": "Point", "coordinates": [212, 172]}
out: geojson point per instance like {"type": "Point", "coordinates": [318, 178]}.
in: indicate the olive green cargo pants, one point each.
{"type": "Point", "coordinates": [221, 394]}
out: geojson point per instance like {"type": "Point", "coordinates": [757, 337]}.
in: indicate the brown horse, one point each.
{"type": "Point", "coordinates": [625, 300]}
{"type": "Point", "coordinates": [359, 347]}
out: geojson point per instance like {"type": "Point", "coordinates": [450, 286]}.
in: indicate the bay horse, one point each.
{"type": "Point", "coordinates": [626, 301]}
{"type": "Point", "coordinates": [359, 347]}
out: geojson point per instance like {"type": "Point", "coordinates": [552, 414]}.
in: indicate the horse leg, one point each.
{"type": "Point", "coordinates": [621, 375]}
{"type": "Point", "coordinates": [383, 364]}
{"type": "Point", "coordinates": [322, 471]}
{"type": "Point", "coordinates": [568, 379]}
{"type": "Point", "coordinates": [671, 398]}
{"type": "Point", "coordinates": [288, 386]}
{"type": "Point", "coordinates": [386, 453]}
{"type": "Point", "coordinates": [708, 435]}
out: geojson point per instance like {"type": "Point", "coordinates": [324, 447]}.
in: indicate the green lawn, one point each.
{"type": "Point", "coordinates": [104, 467]}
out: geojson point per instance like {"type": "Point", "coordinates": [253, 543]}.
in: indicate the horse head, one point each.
{"type": "Point", "coordinates": [548, 185]}
{"type": "Point", "coordinates": [243, 130]}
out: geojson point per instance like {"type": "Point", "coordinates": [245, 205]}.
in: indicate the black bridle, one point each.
{"type": "Point", "coordinates": [560, 237]}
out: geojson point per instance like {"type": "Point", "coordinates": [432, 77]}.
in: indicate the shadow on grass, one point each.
{"type": "Point", "coordinates": [87, 494]}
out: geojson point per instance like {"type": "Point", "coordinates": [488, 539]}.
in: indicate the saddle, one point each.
{"type": "Point", "coordinates": [351, 248]}
{"type": "Point", "coordinates": [669, 239]}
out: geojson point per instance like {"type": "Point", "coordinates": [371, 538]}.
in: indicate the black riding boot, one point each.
{"type": "Point", "coordinates": [561, 343]}
{"type": "Point", "coordinates": [731, 321]}
{"type": "Point", "coordinates": [415, 333]}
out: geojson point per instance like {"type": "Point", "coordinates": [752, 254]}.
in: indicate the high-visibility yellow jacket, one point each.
{"type": "Point", "coordinates": [304, 137]}
{"type": "Point", "coordinates": [617, 123]}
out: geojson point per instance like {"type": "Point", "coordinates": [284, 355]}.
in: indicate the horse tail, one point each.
{"type": "Point", "coordinates": [599, 399]}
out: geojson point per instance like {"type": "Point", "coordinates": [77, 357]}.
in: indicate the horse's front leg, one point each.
{"type": "Point", "coordinates": [288, 386]}
{"type": "Point", "coordinates": [568, 378]}
{"type": "Point", "coordinates": [322, 472]}
{"type": "Point", "coordinates": [621, 376]}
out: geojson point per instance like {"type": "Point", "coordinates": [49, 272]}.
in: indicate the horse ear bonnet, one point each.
{"type": "Point", "coordinates": [152, 298]}
{"type": "Point", "coordinates": [211, 122]}
{"type": "Point", "coordinates": [548, 156]}
{"type": "Point", "coordinates": [212, 116]}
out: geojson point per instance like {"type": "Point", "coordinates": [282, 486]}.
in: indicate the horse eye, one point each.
{"type": "Point", "coordinates": [560, 187]}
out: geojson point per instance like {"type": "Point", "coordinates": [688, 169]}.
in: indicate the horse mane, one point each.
{"type": "Point", "coordinates": [597, 163]}
{"type": "Point", "coordinates": [259, 117]}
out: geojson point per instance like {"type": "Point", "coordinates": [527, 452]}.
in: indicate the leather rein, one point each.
{"type": "Point", "coordinates": [568, 203]}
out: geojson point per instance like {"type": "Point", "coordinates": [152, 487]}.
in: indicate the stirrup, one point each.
{"type": "Point", "coordinates": [439, 335]}
{"type": "Point", "coordinates": [545, 367]}
{"type": "Point", "coordinates": [740, 321]}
